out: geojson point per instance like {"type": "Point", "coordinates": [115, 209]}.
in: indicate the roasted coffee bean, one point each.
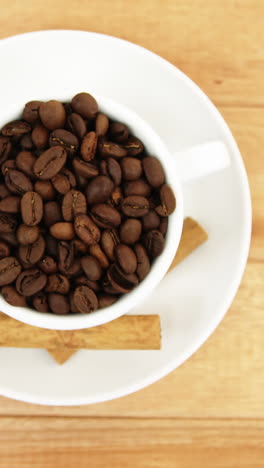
{"type": "Point", "coordinates": [101, 124]}
{"type": "Point", "coordinates": [85, 300]}
{"type": "Point", "coordinates": [30, 254]}
{"type": "Point", "coordinates": [105, 216]}
{"type": "Point", "coordinates": [9, 270]}
{"type": "Point", "coordinates": [50, 162]}
{"type": "Point", "coordinates": [31, 112]}
{"type": "Point", "coordinates": [150, 221]}
{"type": "Point", "coordinates": [96, 251]}
{"type": "Point", "coordinates": [109, 289]}
{"type": "Point", "coordinates": [40, 302]}
{"type": "Point", "coordinates": [77, 125]}
{"type": "Point", "coordinates": [4, 192]}
{"type": "Point", "coordinates": [84, 281]}
{"type": "Point", "coordinates": [4, 250]}
{"type": "Point", "coordinates": [75, 269]}
{"type": "Point", "coordinates": [31, 208]}
{"type": "Point", "coordinates": [108, 149]}
{"type": "Point", "coordinates": [91, 268]}
{"type": "Point", "coordinates": [48, 265]}
{"type": "Point", "coordinates": [5, 148]}
{"type": "Point", "coordinates": [26, 142]}
{"type": "Point", "coordinates": [99, 190]}
{"type": "Point", "coordinates": [135, 206]}
{"type": "Point", "coordinates": [18, 182]}
{"type": "Point", "coordinates": [16, 128]}
{"type": "Point", "coordinates": [61, 183]}
{"type": "Point", "coordinates": [131, 168]}
{"type": "Point", "coordinates": [65, 255]}
{"type": "Point", "coordinates": [109, 167]}
{"type": "Point", "coordinates": [109, 241]}
{"type": "Point", "coordinates": [45, 189]}
{"type": "Point", "coordinates": [143, 263]}
{"type": "Point", "coordinates": [106, 300]}
{"type": "Point", "coordinates": [40, 137]}
{"type": "Point", "coordinates": [133, 146]}
{"type": "Point", "coordinates": [67, 140]}
{"type": "Point", "coordinates": [11, 296]}
{"type": "Point", "coordinates": [8, 223]}
{"type": "Point", "coordinates": [167, 199]}
{"type": "Point", "coordinates": [27, 234]}
{"type": "Point", "coordinates": [120, 281]}
{"type": "Point", "coordinates": [153, 171]}
{"type": "Point", "coordinates": [74, 203]}
{"type": "Point", "coordinates": [10, 205]}
{"type": "Point", "coordinates": [51, 246]}
{"type": "Point", "coordinates": [130, 231]}
{"type": "Point", "coordinates": [137, 187]}
{"type": "Point", "coordinates": [52, 114]}
{"type": "Point", "coordinates": [86, 229]}
{"type": "Point", "coordinates": [88, 146]}
{"type": "Point", "coordinates": [79, 246]}
{"type": "Point", "coordinates": [58, 283]}
{"type": "Point", "coordinates": [62, 231]}
{"type": "Point", "coordinates": [118, 132]}
{"type": "Point", "coordinates": [126, 258]}
{"type": "Point", "coordinates": [58, 304]}
{"type": "Point", "coordinates": [154, 243]}
{"type": "Point", "coordinates": [85, 105]}
{"type": "Point", "coordinates": [163, 227]}
{"type": "Point", "coordinates": [52, 213]}
{"type": "Point", "coordinates": [85, 169]}
{"type": "Point", "coordinates": [25, 161]}
{"type": "Point", "coordinates": [10, 238]}
{"type": "Point", "coordinates": [64, 181]}
{"type": "Point", "coordinates": [116, 197]}
{"type": "Point", "coordinates": [7, 165]}
{"type": "Point", "coordinates": [30, 282]}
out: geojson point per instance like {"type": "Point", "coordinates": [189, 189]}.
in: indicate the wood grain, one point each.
{"type": "Point", "coordinates": [131, 443]}
{"type": "Point", "coordinates": [210, 411]}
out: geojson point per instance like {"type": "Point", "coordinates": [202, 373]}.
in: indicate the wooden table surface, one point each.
{"type": "Point", "coordinates": [210, 411]}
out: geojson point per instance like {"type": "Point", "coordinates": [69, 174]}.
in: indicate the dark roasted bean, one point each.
{"type": "Point", "coordinates": [52, 114]}
{"type": "Point", "coordinates": [30, 282]}
{"type": "Point", "coordinates": [85, 300]}
{"type": "Point", "coordinates": [130, 231]}
{"type": "Point", "coordinates": [85, 105]}
{"type": "Point", "coordinates": [154, 242]}
{"type": "Point", "coordinates": [99, 190]}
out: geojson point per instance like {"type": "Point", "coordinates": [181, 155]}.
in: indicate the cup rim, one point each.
{"type": "Point", "coordinates": [151, 139]}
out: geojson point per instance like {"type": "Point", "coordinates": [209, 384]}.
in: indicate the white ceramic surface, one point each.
{"type": "Point", "coordinates": [194, 297]}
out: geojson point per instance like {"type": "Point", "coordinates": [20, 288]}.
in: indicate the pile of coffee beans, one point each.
{"type": "Point", "coordinates": [83, 208]}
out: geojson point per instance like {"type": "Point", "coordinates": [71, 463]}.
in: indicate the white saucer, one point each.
{"type": "Point", "coordinates": [193, 298]}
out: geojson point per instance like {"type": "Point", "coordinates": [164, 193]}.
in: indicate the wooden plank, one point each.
{"type": "Point", "coordinates": [218, 44]}
{"type": "Point", "coordinates": [224, 378]}
{"type": "Point", "coordinates": [247, 128]}
{"type": "Point", "coordinates": [130, 443]}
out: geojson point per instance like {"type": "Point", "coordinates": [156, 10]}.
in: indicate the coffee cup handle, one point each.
{"type": "Point", "coordinates": [201, 160]}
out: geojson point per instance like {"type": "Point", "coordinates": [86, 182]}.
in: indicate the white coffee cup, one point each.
{"type": "Point", "coordinates": [181, 167]}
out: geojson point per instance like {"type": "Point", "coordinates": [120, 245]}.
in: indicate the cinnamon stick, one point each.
{"type": "Point", "coordinates": [127, 332]}
{"type": "Point", "coordinates": [62, 354]}
{"type": "Point", "coordinates": [193, 235]}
